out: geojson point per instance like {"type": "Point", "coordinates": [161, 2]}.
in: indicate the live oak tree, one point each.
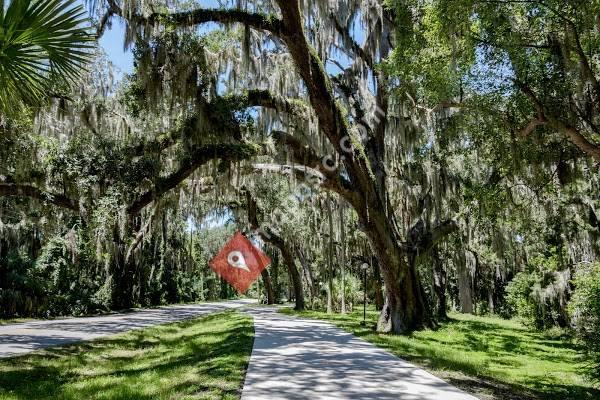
{"type": "Point", "coordinates": [376, 133]}
{"type": "Point", "coordinates": [532, 64]}
{"type": "Point", "coordinates": [513, 84]}
{"type": "Point", "coordinates": [111, 169]}
{"type": "Point", "coordinates": [352, 116]}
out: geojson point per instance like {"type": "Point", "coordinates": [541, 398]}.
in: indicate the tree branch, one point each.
{"type": "Point", "coordinates": [573, 133]}
{"type": "Point", "coordinates": [264, 98]}
{"type": "Point", "coordinates": [17, 190]}
{"type": "Point", "coordinates": [199, 16]}
{"type": "Point", "coordinates": [201, 156]}
{"type": "Point", "coordinates": [531, 126]}
{"type": "Point", "coordinates": [422, 241]}
{"type": "Point", "coordinates": [161, 143]}
{"type": "Point", "coordinates": [350, 42]}
{"type": "Point", "coordinates": [304, 155]}
{"type": "Point", "coordinates": [140, 235]}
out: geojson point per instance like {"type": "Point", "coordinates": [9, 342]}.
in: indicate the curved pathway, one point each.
{"type": "Point", "coordinates": [297, 358]}
{"type": "Point", "coordinates": [24, 337]}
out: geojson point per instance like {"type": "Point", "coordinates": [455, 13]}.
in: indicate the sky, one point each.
{"type": "Point", "coordinates": [113, 44]}
{"type": "Point", "coordinates": [113, 41]}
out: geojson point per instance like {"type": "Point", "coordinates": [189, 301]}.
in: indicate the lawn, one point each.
{"type": "Point", "coordinates": [14, 320]}
{"type": "Point", "coordinates": [489, 357]}
{"type": "Point", "coordinates": [204, 358]}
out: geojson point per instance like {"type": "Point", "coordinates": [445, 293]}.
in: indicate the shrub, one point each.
{"type": "Point", "coordinates": [539, 296]}
{"type": "Point", "coordinates": [21, 291]}
{"type": "Point", "coordinates": [353, 292]}
{"type": "Point", "coordinates": [585, 312]}
{"type": "Point", "coordinates": [68, 286]}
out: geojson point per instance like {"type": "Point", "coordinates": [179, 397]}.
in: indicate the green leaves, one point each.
{"type": "Point", "coordinates": [43, 44]}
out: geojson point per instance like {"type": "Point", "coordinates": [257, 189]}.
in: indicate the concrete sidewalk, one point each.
{"type": "Point", "coordinates": [296, 358]}
{"type": "Point", "coordinates": [24, 337]}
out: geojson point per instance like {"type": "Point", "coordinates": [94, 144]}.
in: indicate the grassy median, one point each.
{"type": "Point", "coordinates": [489, 357]}
{"type": "Point", "coordinates": [203, 358]}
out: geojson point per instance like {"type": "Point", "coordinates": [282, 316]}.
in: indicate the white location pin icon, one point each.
{"type": "Point", "coordinates": [236, 260]}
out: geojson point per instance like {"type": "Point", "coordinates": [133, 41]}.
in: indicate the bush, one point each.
{"type": "Point", "coordinates": [66, 280]}
{"type": "Point", "coordinates": [585, 312]}
{"type": "Point", "coordinates": [539, 296]}
{"type": "Point", "coordinates": [21, 291]}
{"type": "Point", "coordinates": [353, 292]}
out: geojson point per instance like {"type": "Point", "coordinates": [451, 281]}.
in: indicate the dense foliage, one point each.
{"type": "Point", "coordinates": [451, 146]}
{"type": "Point", "coordinates": [585, 309]}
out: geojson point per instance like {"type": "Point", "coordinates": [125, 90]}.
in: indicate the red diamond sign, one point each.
{"type": "Point", "coordinates": [239, 262]}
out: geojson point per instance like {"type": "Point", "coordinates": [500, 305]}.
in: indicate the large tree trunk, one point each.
{"type": "Point", "coordinates": [308, 275]}
{"type": "Point", "coordinates": [269, 236]}
{"type": "Point", "coordinates": [439, 284]}
{"type": "Point", "coordinates": [329, 258]}
{"type": "Point", "coordinates": [268, 287]}
{"type": "Point", "coordinates": [294, 274]}
{"type": "Point", "coordinates": [123, 283]}
{"type": "Point", "coordinates": [275, 278]}
{"type": "Point", "coordinates": [122, 272]}
{"type": "Point", "coordinates": [343, 256]}
{"type": "Point", "coordinates": [405, 309]}
{"type": "Point", "coordinates": [377, 286]}
{"type": "Point", "coordinates": [464, 276]}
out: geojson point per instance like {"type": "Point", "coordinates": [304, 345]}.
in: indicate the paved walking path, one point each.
{"type": "Point", "coordinates": [296, 358]}
{"type": "Point", "coordinates": [24, 337]}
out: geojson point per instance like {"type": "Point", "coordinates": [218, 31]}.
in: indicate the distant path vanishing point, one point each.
{"type": "Point", "coordinates": [25, 337]}
{"type": "Point", "coordinates": [297, 358]}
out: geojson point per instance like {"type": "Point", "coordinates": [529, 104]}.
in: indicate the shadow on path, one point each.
{"type": "Point", "coordinates": [296, 358]}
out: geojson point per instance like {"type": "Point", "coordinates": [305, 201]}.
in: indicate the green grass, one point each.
{"type": "Point", "coordinates": [14, 320]}
{"type": "Point", "coordinates": [204, 358]}
{"type": "Point", "coordinates": [490, 357]}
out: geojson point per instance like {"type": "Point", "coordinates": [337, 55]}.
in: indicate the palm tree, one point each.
{"type": "Point", "coordinates": [44, 45]}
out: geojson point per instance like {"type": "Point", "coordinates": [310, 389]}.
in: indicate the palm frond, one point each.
{"type": "Point", "coordinates": [43, 44]}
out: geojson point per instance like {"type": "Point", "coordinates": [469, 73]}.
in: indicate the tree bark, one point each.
{"type": "Point", "coordinates": [26, 190]}
{"type": "Point", "coordinates": [269, 236]}
{"type": "Point", "coordinates": [330, 258]}
{"type": "Point", "coordinates": [343, 256]}
{"type": "Point", "coordinates": [405, 309]}
{"type": "Point", "coordinates": [268, 286]}
{"type": "Point", "coordinates": [378, 286]}
{"type": "Point", "coordinates": [275, 278]}
{"type": "Point", "coordinates": [439, 285]}
{"type": "Point", "coordinates": [294, 274]}
{"type": "Point", "coordinates": [465, 286]}
{"type": "Point", "coordinates": [123, 275]}
{"type": "Point", "coordinates": [308, 275]}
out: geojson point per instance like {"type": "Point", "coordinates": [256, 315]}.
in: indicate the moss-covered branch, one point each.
{"type": "Point", "coordinates": [546, 117]}
{"type": "Point", "coordinates": [264, 98]}
{"type": "Point", "coordinates": [350, 43]}
{"type": "Point", "coordinates": [162, 142]}
{"type": "Point", "coordinates": [25, 190]}
{"type": "Point", "coordinates": [422, 240]}
{"type": "Point", "coordinates": [199, 157]}
{"type": "Point", "coordinates": [269, 23]}
{"type": "Point", "coordinates": [306, 156]}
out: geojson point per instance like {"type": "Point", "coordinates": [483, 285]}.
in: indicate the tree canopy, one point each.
{"type": "Point", "coordinates": [452, 146]}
